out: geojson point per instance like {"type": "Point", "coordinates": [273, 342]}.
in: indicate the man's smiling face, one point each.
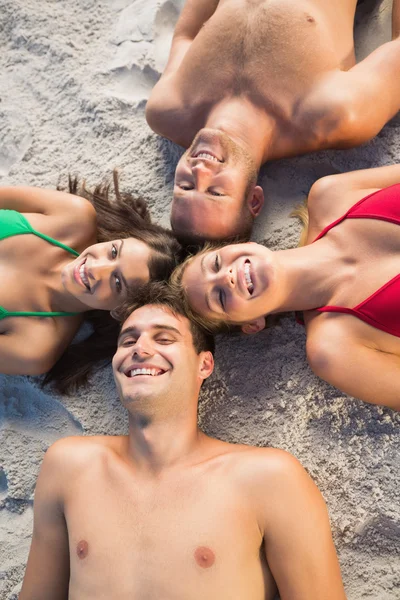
{"type": "Point", "coordinates": [215, 196]}
{"type": "Point", "coordinates": [156, 358]}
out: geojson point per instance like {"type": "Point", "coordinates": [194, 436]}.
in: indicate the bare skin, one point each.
{"type": "Point", "coordinates": [343, 268]}
{"type": "Point", "coordinates": [42, 277]}
{"type": "Point", "coordinates": [279, 79]}
{"type": "Point", "coordinates": [167, 512]}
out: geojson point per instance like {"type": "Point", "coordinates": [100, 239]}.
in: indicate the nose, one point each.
{"type": "Point", "coordinates": [226, 277]}
{"type": "Point", "coordinates": [142, 348]}
{"type": "Point", "coordinates": [100, 269]}
{"type": "Point", "coordinates": [202, 175]}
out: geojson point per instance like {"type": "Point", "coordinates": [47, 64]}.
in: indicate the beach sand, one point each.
{"type": "Point", "coordinates": [74, 78]}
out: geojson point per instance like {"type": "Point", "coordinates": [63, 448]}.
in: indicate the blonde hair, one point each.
{"type": "Point", "coordinates": [301, 213]}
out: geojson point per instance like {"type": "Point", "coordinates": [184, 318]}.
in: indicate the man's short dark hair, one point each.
{"type": "Point", "coordinates": [160, 293]}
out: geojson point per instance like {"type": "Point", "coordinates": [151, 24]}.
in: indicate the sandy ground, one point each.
{"type": "Point", "coordinates": [74, 79]}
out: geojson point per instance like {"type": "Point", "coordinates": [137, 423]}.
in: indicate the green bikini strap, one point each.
{"type": "Point", "coordinates": [38, 314]}
{"type": "Point", "coordinates": [55, 242]}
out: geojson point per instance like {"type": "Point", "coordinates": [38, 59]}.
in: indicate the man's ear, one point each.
{"type": "Point", "coordinates": [256, 201]}
{"type": "Point", "coordinates": [206, 364]}
{"type": "Point", "coordinates": [254, 326]}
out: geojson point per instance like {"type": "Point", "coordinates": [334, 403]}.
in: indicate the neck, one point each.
{"type": "Point", "coordinates": [251, 128]}
{"type": "Point", "coordinates": [158, 442]}
{"type": "Point", "coordinates": [308, 276]}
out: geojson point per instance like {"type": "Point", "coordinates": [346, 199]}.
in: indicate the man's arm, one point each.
{"type": "Point", "coordinates": [163, 107]}
{"type": "Point", "coordinates": [348, 108]}
{"type": "Point", "coordinates": [47, 571]}
{"type": "Point", "coordinates": [192, 18]}
{"type": "Point", "coordinates": [297, 535]}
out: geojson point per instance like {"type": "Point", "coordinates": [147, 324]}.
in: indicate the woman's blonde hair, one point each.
{"type": "Point", "coordinates": [301, 213]}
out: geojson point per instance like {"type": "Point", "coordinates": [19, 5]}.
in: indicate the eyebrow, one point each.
{"type": "Point", "coordinates": [181, 195]}
{"type": "Point", "coordinates": [157, 327]}
{"type": "Point", "coordinates": [203, 270]}
{"type": "Point", "coordinates": [122, 275]}
{"type": "Point", "coordinates": [202, 265]}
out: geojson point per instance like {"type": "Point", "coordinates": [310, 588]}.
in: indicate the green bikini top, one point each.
{"type": "Point", "coordinates": [14, 223]}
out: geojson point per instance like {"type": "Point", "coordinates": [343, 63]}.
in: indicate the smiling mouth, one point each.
{"type": "Point", "coordinates": [153, 372]}
{"type": "Point", "coordinates": [80, 275]}
{"type": "Point", "coordinates": [247, 276]}
{"type": "Point", "coordinates": [207, 156]}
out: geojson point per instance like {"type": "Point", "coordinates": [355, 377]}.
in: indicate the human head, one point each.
{"type": "Point", "coordinates": [215, 191]}
{"type": "Point", "coordinates": [130, 252]}
{"type": "Point", "coordinates": [156, 334]}
{"type": "Point", "coordinates": [121, 218]}
{"type": "Point", "coordinates": [228, 285]}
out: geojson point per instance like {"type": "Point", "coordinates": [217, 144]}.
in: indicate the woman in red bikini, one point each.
{"type": "Point", "coordinates": [345, 280]}
{"type": "Point", "coordinates": [65, 258]}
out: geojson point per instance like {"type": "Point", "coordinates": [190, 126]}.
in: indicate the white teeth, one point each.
{"type": "Point", "coordinates": [247, 276]}
{"type": "Point", "coordinates": [152, 372]}
{"type": "Point", "coordinates": [82, 275]}
{"type": "Point", "coordinates": [208, 156]}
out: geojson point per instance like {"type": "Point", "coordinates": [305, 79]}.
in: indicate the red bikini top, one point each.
{"type": "Point", "coordinates": [382, 308]}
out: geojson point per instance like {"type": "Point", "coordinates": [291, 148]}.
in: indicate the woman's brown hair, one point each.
{"type": "Point", "coordinates": [120, 218]}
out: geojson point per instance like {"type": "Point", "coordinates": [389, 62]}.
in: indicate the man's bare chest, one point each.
{"type": "Point", "coordinates": [271, 51]}
{"type": "Point", "coordinates": [176, 543]}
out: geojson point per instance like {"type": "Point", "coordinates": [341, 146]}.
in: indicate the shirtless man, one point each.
{"type": "Point", "coordinates": [249, 81]}
{"type": "Point", "coordinates": [167, 512]}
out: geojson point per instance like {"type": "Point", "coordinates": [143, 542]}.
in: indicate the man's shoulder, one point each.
{"type": "Point", "coordinates": [163, 105]}
{"type": "Point", "coordinates": [73, 453]}
{"type": "Point", "coordinates": [263, 465]}
{"type": "Point", "coordinates": [168, 114]}
{"type": "Point", "coordinates": [271, 478]}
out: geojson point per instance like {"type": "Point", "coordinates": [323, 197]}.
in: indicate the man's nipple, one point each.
{"type": "Point", "coordinates": [82, 549]}
{"type": "Point", "coordinates": [204, 557]}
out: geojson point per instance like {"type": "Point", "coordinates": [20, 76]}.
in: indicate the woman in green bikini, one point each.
{"type": "Point", "coordinates": [62, 255]}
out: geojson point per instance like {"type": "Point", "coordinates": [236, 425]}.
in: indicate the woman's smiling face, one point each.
{"type": "Point", "coordinates": [231, 283]}
{"type": "Point", "coordinates": [101, 276]}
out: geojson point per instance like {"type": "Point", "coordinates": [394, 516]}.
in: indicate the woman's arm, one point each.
{"type": "Point", "coordinates": [30, 350]}
{"type": "Point", "coordinates": [377, 178]}
{"type": "Point", "coordinates": [26, 199]}
{"type": "Point", "coordinates": [330, 197]}
{"type": "Point", "coordinates": [71, 217]}
{"type": "Point", "coordinates": [342, 358]}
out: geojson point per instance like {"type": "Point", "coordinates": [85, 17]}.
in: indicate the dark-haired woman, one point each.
{"type": "Point", "coordinates": [346, 279]}
{"type": "Point", "coordinates": [62, 255]}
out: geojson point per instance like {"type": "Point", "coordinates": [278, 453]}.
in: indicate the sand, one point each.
{"type": "Point", "coordinates": [74, 79]}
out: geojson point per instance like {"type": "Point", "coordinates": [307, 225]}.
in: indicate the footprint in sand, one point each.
{"type": "Point", "coordinates": [373, 26]}
{"type": "Point", "coordinates": [3, 482]}
{"type": "Point", "coordinates": [164, 25]}
{"type": "Point", "coordinates": [28, 410]}
{"type": "Point", "coordinates": [15, 140]}
{"type": "Point", "coordinates": [143, 37]}
{"type": "Point", "coordinates": [381, 533]}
